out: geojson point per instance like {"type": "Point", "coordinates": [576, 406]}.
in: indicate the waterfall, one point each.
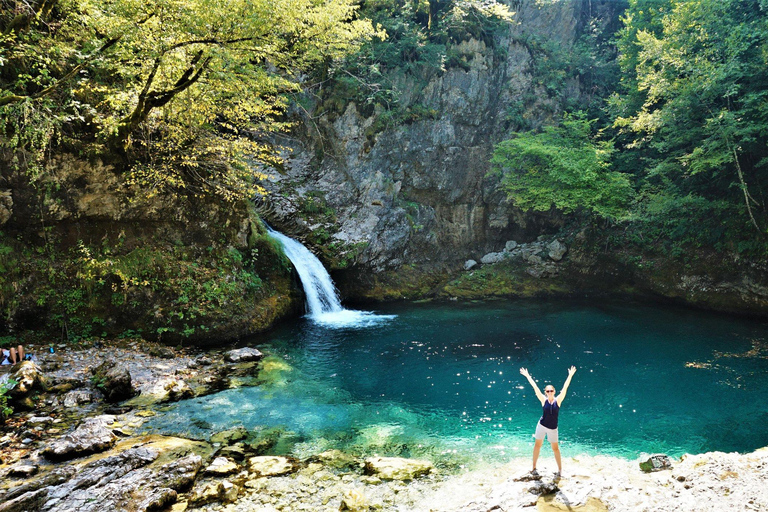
{"type": "Point", "coordinates": [318, 286]}
{"type": "Point", "coordinates": [323, 304]}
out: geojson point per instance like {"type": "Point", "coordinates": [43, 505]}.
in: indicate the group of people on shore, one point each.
{"type": "Point", "coordinates": [13, 355]}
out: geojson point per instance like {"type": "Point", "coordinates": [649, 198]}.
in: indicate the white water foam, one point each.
{"type": "Point", "coordinates": [323, 303]}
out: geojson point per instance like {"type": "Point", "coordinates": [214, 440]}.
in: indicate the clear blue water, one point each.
{"type": "Point", "coordinates": [442, 380]}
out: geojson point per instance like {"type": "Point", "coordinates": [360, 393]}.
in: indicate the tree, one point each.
{"type": "Point", "coordinates": [562, 167]}
{"type": "Point", "coordinates": [183, 88]}
{"type": "Point", "coordinates": [699, 112]}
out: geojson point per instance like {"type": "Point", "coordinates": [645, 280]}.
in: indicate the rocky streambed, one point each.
{"type": "Point", "coordinates": [78, 443]}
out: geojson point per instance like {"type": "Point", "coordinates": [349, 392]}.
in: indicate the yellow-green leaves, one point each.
{"type": "Point", "coordinates": [186, 90]}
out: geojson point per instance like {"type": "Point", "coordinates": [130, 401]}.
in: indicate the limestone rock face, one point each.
{"type": "Point", "coordinates": [92, 436]}
{"type": "Point", "coordinates": [421, 193]}
{"type": "Point", "coordinates": [114, 381]}
{"type": "Point", "coordinates": [396, 468]}
{"type": "Point", "coordinates": [108, 484]}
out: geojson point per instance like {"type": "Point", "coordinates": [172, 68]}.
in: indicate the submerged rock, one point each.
{"type": "Point", "coordinates": [92, 436]}
{"type": "Point", "coordinates": [396, 468]}
{"type": "Point", "coordinates": [231, 436]}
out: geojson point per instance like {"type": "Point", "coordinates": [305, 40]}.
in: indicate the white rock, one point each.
{"type": "Point", "coordinates": [270, 466]}
{"type": "Point", "coordinates": [510, 245]}
{"type": "Point", "coordinates": [242, 355]}
{"type": "Point", "coordinates": [492, 257]}
{"type": "Point", "coordinates": [469, 264]}
{"type": "Point", "coordinates": [557, 250]}
{"type": "Point", "coordinates": [396, 468]}
{"type": "Point", "coordinates": [222, 466]}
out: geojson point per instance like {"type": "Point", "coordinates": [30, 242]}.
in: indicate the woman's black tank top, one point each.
{"type": "Point", "coordinates": [549, 414]}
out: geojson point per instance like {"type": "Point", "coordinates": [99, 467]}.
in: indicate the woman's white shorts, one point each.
{"type": "Point", "coordinates": [549, 433]}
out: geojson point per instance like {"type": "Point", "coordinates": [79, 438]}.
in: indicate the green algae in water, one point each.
{"type": "Point", "coordinates": [442, 381]}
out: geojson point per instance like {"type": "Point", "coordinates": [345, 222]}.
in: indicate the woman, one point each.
{"type": "Point", "coordinates": [547, 426]}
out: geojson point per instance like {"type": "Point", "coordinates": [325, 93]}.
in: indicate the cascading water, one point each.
{"type": "Point", "coordinates": [323, 304]}
{"type": "Point", "coordinates": [318, 286]}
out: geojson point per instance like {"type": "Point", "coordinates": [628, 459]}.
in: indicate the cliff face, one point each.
{"type": "Point", "coordinates": [395, 209]}
{"type": "Point", "coordinates": [418, 192]}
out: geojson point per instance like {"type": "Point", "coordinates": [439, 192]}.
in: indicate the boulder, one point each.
{"type": "Point", "coordinates": [35, 421]}
{"type": "Point", "coordinates": [396, 468]}
{"type": "Point", "coordinates": [92, 436]}
{"type": "Point", "coordinates": [556, 250]}
{"type": "Point", "coordinates": [470, 264]}
{"type": "Point", "coordinates": [23, 470]}
{"type": "Point", "coordinates": [492, 257]}
{"type": "Point", "coordinates": [114, 381]}
{"type": "Point", "coordinates": [243, 355]}
{"type": "Point", "coordinates": [510, 245]}
{"type": "Point", "coordinates": [222, 466]}
{"type": "Point", "coordinates": [231, 436]}
{"type": "Point", "coordinates": [177, 389]}
{"type": "Point", "coordinates": [78, 397]}
{"type": "Point", "coordinates": [29, 378]}
{"type": "Point", "coordinates": [270, 466]}
{"type": "Point", "coordinates": [656, 462]}
{"type": "Point", "coordinates": [6, 206]}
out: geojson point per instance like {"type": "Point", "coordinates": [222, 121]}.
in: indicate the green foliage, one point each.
{"type": "Point", "coordinates": [5, 409]}
{"type": "Point", "coordinates": [185, 90]}
{"type": "Point", "coordinates": [562, 167]}
{"type": "Point", "coordinates": [157, 287]}
{"type": "Point", "coordinates": [694, 115]}
{"type": "Point", "coordinates": [422, 39]}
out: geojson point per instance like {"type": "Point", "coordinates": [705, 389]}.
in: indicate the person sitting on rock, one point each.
{"type": "Point", "coordinates": [14, 355]}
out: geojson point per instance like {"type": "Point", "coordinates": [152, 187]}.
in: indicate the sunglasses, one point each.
{"type": "Point", "coordinates": [549, 390]}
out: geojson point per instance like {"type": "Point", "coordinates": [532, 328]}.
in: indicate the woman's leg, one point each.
{"type": "Point", "coordinates": [556, 450]}
{"type": "Point", "coordinates": [13, 356]}
{"type": "Point", "coordinates": [536, 450]}
{"type": "Point", "coordinates": [21, 353]}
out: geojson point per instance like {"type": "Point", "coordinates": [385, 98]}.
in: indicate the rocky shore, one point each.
{"type": "Point", "coordinates": [77, 443]}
